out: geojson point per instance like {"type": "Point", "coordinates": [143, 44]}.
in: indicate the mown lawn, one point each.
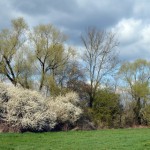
{"type": "Point", "coordinates": [121, 139]}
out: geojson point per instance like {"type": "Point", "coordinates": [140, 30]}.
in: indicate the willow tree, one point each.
{"type": "Point", "coordinates": [135, 77]}
{"type": "Point", "coordinates": [11, 41]}
{"type": "Point", "coordinates": [49, 50]}
{"type": "Point", "coordinates": [24, 67]}
{"type": "Point", "coordinates": [100, 58]}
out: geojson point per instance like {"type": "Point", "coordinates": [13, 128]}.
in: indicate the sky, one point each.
{"type": "Point", "coordinates": [129, 19]}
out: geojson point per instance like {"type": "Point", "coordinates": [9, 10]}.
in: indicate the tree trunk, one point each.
{"type": "Point", "coordinates": [91, 101]}
{"type": "Point", "coordinates": [137, 112]}
{"type": "Point", "coordinates": [42, 82]}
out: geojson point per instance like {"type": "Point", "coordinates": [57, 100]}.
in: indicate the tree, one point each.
{"type": "Point", "coordinates": [49, 50]}
{"type": "Point", "coordinates": [136, 81]}
{"type": "Point", "coordinates": [72, 78]}
{"type": "Point", "coordinates": [24, 61]}
{"type": "Point", "coordinates": [11, 41]}
{"type": "Point", "coordinates": [107, 109]}
{"type": "Point", "coordinates": [100, 57]}
{"type": "Point", "coordinates": [67, 76]}
{"type": "Point", "coordinates": [146, 115]}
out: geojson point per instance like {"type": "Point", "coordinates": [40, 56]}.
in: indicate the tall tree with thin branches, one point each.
{"type": "Point", "coordinates": [12, 41]}
{"type": "Point", "coordinates": [100, 57]}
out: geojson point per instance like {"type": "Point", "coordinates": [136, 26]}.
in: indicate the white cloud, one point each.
{"type": "Point", "coordinates": [133, 35]}
{"type": "Point", "coordinates": [145, 34]}
{"type": "Point", "coordinates": [127, 29]}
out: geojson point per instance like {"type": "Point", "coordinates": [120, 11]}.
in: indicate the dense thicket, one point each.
{"type": "Point", "coordinates": [27, 110]}
{"type": "Point", "coordinates": [110, 93]}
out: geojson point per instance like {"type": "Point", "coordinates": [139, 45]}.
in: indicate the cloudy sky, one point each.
{"type": "Point", "coordinates": [130, 19]}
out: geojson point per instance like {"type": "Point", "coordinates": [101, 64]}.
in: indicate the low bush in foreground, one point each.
{"type": "Point", "coordinates": [27, 110]}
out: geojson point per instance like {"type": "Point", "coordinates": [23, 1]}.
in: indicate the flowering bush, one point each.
{"type": "Point", "coordinates": [28, 110]}
{"type": "Point", "coordinates": [66, 107]}
{"type": "Point", "coordinates": [4, 97]}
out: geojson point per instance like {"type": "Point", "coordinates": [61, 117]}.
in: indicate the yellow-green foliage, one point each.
{"type": "Point", "coordinates": [145, 112]}
{"type": "Point", "coordinates": [106, 109]}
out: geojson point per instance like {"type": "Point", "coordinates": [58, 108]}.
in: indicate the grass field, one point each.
{"type": "Point", "coordinates": [121, 139]}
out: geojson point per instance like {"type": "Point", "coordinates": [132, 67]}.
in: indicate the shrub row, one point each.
{"type": "Point", "coordinates": [29, 111]}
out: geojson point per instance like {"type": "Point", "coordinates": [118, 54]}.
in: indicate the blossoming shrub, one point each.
{"type": "Point", "coordinates": [29, 111]}
{"type": "Point", "coordinates": [25, 109]}
{"type": "Point", "coordinates": [66, 107]}
{"type": "Point", "coordinates": [3, 100]}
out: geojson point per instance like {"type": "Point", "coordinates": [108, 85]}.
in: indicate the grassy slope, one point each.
{"type": "Point", "coordinates": [125, 139]}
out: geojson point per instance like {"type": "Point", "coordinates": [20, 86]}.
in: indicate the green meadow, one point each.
{"type": "Point", "coordinates": [114, 139]}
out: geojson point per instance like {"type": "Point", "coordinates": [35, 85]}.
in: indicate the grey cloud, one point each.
{"type": "Point", "coordinates": [42, 7]}
{"type": "Point", "coordinates": [133, 54]}
{"type": "Point", "coordinates": [74, 16]}
{"type": "Point", "coordinates": [77, 14]}
{"type": "Point", "coordinates": [5, 14]}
